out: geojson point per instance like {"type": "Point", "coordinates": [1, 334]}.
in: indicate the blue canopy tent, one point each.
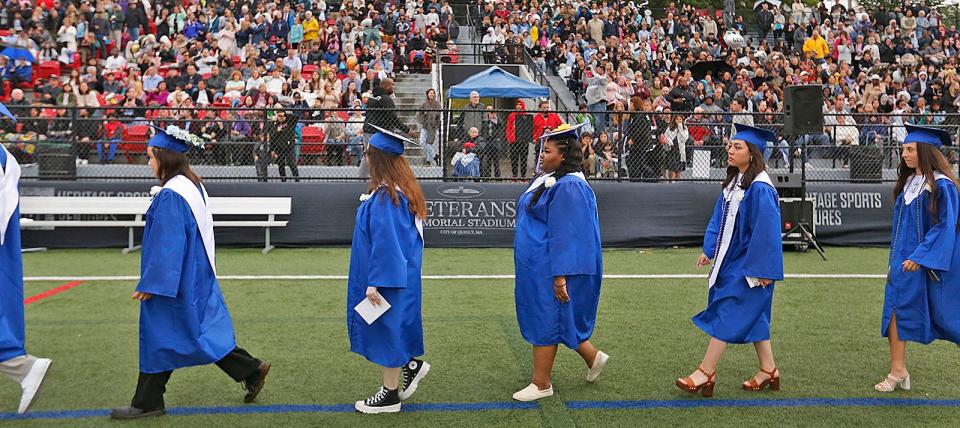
{"type": "Point", "coordinates": [497, 83]}
{"type": "Point", "coordinates": [493, 82]}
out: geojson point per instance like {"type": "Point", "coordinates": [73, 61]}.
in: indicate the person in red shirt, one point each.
{"type": "Point", "coordinates": [545, 121]}
{"type": "Point", "coordinates": [519, 148]}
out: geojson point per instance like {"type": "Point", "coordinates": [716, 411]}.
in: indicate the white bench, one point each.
{"type": "Point", "coordinates": [136, 207]}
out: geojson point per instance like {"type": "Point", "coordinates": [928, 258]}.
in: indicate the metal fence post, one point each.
{"type": "Point", "coordinates": [442, 147]}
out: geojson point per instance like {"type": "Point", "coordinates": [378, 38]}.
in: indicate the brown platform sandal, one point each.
{"type": "Point", "coordinates": [705, 389]}
{"type": "Point", "coordinates": [773, 382]}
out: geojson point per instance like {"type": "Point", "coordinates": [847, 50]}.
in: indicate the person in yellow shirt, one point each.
{"type": "Point", "coordinates": [816, 46]}
{"type": "Point", "coordinates": [311, 27]}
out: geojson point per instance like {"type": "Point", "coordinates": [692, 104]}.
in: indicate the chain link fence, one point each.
{"type": "Point", "coordinates": [258, 144]}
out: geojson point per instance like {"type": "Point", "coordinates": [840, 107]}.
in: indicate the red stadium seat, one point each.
{"type": "Point", "coordinates": [46, 69]}
{"type": "Point", "coordinates": [308, 70]}
{"type": "Point", "coordinates": [134, 141]}
{"type": "Point", "coordinates": [312, 140]}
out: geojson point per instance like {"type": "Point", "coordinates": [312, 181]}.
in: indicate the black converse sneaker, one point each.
{"type": "Point", "coordinates": [413, 372]}
{"type": "Point", "coordinates": [384, 401]}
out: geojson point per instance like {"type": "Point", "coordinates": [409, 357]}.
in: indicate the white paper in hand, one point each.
{"type": "Point", "coordinates": [370, 312]}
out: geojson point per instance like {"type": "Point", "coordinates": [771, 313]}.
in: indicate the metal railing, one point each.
{"type": "Point", "coordinates": [327, 144]}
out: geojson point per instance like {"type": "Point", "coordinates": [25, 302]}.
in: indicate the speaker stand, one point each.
{"type": "Point", "coordinates": [806, 236]}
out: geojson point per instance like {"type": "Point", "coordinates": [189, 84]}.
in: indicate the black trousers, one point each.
{"type": "Point", "coordinates": [238, 364]}
{"type": "Point", "coordinates": [284, 160]}
{"type": "Point", "coordinates": [335, 153]}
{"type": "Point", "coordinates": [490, 163]}
{"type": "Point", "coordinates": [518, 158]}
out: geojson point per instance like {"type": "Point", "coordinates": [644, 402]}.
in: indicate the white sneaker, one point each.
{"type": "Point", "coordinates": [598, 362]}
{"type": "Point", "coordinates": [32, 383]}
{"type": "Point", "coordinates": [532, 392]}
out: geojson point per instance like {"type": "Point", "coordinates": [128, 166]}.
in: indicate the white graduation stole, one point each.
{"type": "Point", "coordinates": [917, 184]}
{"type": "Point", "coordinates": [543, 177]}
{"type": "Point", "coordinates": [9, 192]}
{"type": "Point", "coordinates": [198, 204]}
{"type": "Point", "coordinates": [734, 196]}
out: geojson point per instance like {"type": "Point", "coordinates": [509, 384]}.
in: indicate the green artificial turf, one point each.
{"type": "Point", "coordinates": [825, 336]}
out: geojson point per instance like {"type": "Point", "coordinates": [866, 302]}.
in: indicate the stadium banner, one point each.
{"type": "Point", "coordinates": [472, 214]}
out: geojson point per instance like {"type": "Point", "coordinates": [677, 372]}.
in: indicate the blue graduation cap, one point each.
{"type": "Point", "coordinates": [174, 139]}
{"type": "Point", "coordinates": [389, 141]}
{"type": "Point", "coordinates": [754, 136]}
{"type": "Point", "coordinates": [933, 136]}
{"type": "Point", "coordinates": [563, 131]}
{"type": "Point", "coordinates": [6, 112]}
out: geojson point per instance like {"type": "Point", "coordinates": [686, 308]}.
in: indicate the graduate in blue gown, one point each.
{"type": "Point", "coordinates": [15, 362]}
{"type": "Point", "coordinates": [922, 295]}
{"type": "Point", "coordinates": [385, 263]}
{"type": "Point", "coordinates": [743, 241]}
{"type": "Point", "coordinates": [558, 262]}
{"type": "Point", "coordinates": [183, 318]}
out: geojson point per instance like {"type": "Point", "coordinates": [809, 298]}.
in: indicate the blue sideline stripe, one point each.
{"type": "Point", "coordinates": [793, 402]}
{"type": "Point", "coordinates": [283, 408]}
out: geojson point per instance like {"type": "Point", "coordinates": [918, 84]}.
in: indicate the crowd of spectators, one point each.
{"type": "Point", "coordinates": [165, 61]}
{"type": "Point", "coordinates": [121, 62]}
{"type": "Point", "coordinates": [879, 69]}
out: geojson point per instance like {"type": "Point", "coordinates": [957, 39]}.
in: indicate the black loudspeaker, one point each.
{"type": "Point", "coordinates": [790, 211]}
{"type": "Point", "coordinates": [803, 110]}
{"type": "Point", "coordinates": [787, 185]}
{"type": "Point", "coordinates": [866, 164]}
{"type": "Point", "coordinates": [56, 162]}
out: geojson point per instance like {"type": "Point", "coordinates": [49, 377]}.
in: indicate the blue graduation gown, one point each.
{"type": "Point", "coordinates": [560, 235]}
{"type": "Point", "coordinates": [11, 286]}
{"type": "Point", "coordinates": [471, 169]}
{"type": "Point", "coordinates": [186, 323]}
{"type": "Point", "coordinates": [926, 310]}
{"type": "Point", "coordinates": [387, 253]}
{"type": "Point", "coordinates": [735, 312]}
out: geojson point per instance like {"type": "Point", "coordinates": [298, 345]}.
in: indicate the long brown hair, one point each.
{"type": "Point", "coordinates": [753, 170]}
{"type": "Point", "coordinates": [929, 160]}
{"type": "Point", "coordinates": [171, 164]}
{"type": "Point", "coordinates": [393, 171]}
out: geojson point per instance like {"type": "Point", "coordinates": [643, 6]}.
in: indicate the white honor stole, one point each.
{"type": "Point", "coordinates": [733, 196]}
{"type": "Point", "coordinates": [9, 192]}
{"type": "Point", "coordinates": [543, 177]}
{"type": "Point", "coordinates": [916, 185]}
{"type": "Point", "coordinates": [201, 213]}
